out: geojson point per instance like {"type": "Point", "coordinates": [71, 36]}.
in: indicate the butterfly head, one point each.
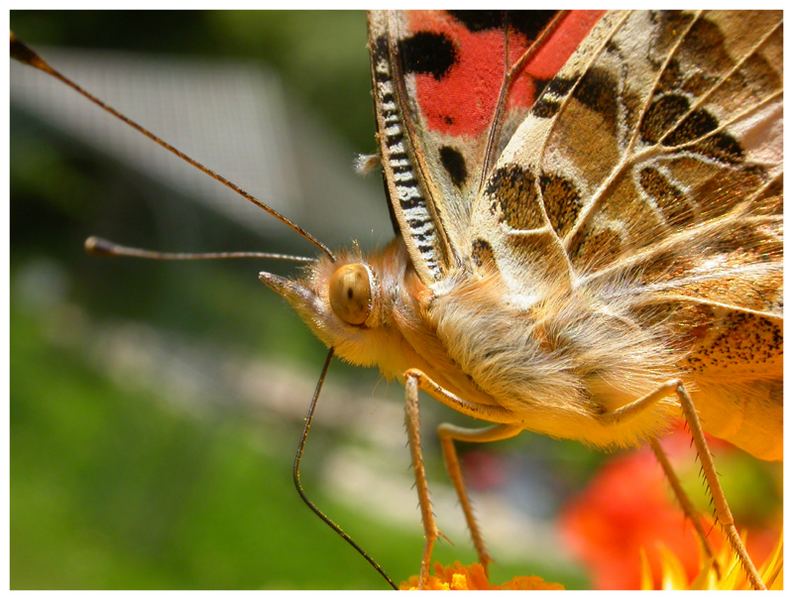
{"type": "Point", "coordinates": [340, 301]}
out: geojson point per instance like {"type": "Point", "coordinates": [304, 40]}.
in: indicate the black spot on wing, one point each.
{"type": "Point", "coordinates": [409, 203]}
{"type": "Point", "coordinates": [562, 201]}
{"type": "Point", "coordinates": [528, 22]}
{"type": "Point", "coordinates": [697, 124]}
{"type": "Point", "coordinates": [553, 91]}
{"type": "Point", "coordinates": [561, 85]}
{"type": "Point", "coordinates": [381, 47]}
{"type": "Point", "coordinates": [482, 253]}
{"type": "Point", "coordinates": [540, 85]}
{"type": "Point", "coordinates": [721, 147]}
{"type": "Point", "coordinates": [479, 20]}
{"type": "Point", "coordinates": [454, 163]}
{"type": "Point", "coordinates": [662, 114]}
{"type": "Point", "coordinates": [545, 108]}
{"type": "Point", "coordinates": [426, 52]}
{"type": "Point", "coordinates": [597, 90]}
{"type": "Point", "coordinates": [512, 192]}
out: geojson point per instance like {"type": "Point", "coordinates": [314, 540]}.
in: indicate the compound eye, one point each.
{"type": "Point", "coordinates": [351, 293]}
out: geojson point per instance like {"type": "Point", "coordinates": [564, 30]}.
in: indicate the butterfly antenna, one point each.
{"type": "Point", "coordinates": [22, 53]}
{"type": "Point", "coordinates": [297, 478]}
{"type": "Point", "coordinates": [101, 247]}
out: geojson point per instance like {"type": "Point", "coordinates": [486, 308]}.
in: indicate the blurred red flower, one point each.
{"type": "Point", "coordinates": [627, 507]}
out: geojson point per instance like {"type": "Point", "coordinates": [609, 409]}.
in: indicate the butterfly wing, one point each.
{"type": "Point", "coordinates": [443, 110]}
{"type": "Point", "coordinates": [650, 171]}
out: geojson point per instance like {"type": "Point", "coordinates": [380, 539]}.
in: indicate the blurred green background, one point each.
{"type": "Point", "coordinates": [155, 406]}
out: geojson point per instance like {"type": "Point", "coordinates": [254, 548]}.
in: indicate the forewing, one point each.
{"type": "Point", "coordinates": [445, 109]}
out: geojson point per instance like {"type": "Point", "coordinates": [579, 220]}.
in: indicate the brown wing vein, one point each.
{"type": "Point", "coordinates": [510, 72]}
{"type": "Point", "coordinates": [704, 97]}
{"type": "Point", "coordinates": [630, 160]}
{"type": "Point", "coordinates": [667, 59]}
{"type": "Point", "coordinates": [569, 95]}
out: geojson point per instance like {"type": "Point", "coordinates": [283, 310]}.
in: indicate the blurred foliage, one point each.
{"type": "Point", "coordinates": [115, 489]}
{"type": "Point", "coordinates": [334, 83]}
{"type": "Point", "coordinates": [145, 497]}
{"type": "Point", "coordinates": [119, 490]}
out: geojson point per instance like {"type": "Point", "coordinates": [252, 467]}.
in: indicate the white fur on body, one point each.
{"type": "Point", "coordinates": [557, 365]}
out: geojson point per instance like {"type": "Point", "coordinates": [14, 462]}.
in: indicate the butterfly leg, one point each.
{"type": "Point", "coordinates": [415, 379]}
{"type": "Point", "coordinates": [722, 508]}
{"type": "Point", "coordinates": [685, 502]}
{"type": "Point", "coordinates": [448, 434]}
{"type": "Point", "coordinates": [412, 424]}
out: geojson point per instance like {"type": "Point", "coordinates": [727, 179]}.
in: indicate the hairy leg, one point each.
{"type": "Point", "coordinates": [723, 514]}
{"type": "Point", "coordinates": [415, 379]}
{"type": "Point", "coordinates": [684, 501]}
{"type": "Point", "coordinates": [448, 434]}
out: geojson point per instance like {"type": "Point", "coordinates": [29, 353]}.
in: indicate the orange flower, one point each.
{"type": "Point", "coordinates": [628, 512]}
{"type": "Point", "coordinates": [473, 577]}
{"type": "Point", "coordinates": [673, 574]}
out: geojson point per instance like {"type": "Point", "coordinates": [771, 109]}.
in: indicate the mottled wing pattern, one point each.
{"type": "Point", "coordinates": [651, 169]}
{"type": "Point", "coordinates": [656, 155]}
{"type": "Point", "coordinates": [443, 108]}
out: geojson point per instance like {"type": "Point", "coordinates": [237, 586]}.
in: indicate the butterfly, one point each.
{"type": "Point", "coordinates": [588, 212]}
{"type": "Point", "coordinates": [569, 264]}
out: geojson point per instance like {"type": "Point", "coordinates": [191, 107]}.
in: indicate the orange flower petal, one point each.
{"type": "Point", "coordinates": [473, 577]}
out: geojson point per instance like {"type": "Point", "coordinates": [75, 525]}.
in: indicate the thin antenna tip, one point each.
{"type": "Point", "coordinates": [21, 52]}
{"type": "Point", "coordinates": [97, 246]}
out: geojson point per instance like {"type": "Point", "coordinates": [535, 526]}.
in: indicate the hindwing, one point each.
{"type": "Point", "coordinates": [652, 163]}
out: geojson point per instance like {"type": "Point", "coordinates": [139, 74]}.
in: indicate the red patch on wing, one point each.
{"type": "Point", "coordinates": [464, 100]}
